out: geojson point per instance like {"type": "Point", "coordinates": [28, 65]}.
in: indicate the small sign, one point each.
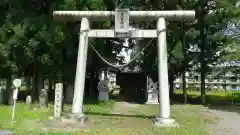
{"type": "Point", "coordinates": [121, 22]}
{"type": "Point", "coordinates": [17, 83]}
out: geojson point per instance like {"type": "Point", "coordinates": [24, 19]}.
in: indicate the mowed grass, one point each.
{"type": "Point", "coordinates": [214, 98]}
{"type": "Point", "coordinates": [137, 120]}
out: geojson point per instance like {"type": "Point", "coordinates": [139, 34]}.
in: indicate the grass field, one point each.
{"type": "Point", "coordinates": [215, 98]}
{"type": "Point", "coordinates": [101, 121]}
{"type": "Point", "coordinates": [133, 120]}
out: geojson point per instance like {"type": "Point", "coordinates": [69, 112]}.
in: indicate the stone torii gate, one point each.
{"type": "Point", "coordinates": [122, 17]}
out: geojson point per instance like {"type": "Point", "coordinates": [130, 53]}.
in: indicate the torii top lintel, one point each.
{"type": "Point", "coordinates": [71, 16]}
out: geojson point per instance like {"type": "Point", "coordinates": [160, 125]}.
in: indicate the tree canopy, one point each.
{"type": "Point", "coordinates": [33, 45]}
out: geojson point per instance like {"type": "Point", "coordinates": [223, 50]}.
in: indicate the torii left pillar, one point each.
{"type": "Point", "coordinates": [77, 108]}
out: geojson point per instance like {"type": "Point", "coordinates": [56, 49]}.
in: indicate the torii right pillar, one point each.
{"type": "Point", "coordinates": [164, 119]}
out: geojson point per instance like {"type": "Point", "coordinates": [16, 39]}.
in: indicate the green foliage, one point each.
{"type": "Point", "coordinates": [31, 41]}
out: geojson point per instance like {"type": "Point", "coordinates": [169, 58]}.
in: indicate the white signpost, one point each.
{"type": "Point", "coordinates": [17, 83]}
{"type": "Point", "coordinates": [58, 100]}
{"type": "Point", "coordinates": [122, 17]}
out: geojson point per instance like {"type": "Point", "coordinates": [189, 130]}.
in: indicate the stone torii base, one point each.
{"type": "Point", "coordinates": [164, 119]}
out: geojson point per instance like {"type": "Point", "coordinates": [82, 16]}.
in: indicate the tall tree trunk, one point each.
{"type": "Point", "coordinates": [171, 87]}
{"type": "Point", "coordinates": [91, 86]}
{"type": "Point", "coordinates": [50, 89]}
{"type": "Point", "coordinates": [183, 39]}
{"type": "Point", "coordinates": [202, 60]}
{"type": "Point", "coordinates": [9, 91]}
{"type": "Point", "coordinates": [29, 84]}
{"type": "Point", "coordinates": [203, 90]}
{"type": "Point", "coordinates": [34, 93]}
{"type": "Point", "coordinates": [40, 82]}
{"type": "Point", "coordinates": [50, 84]}
{"type": "Point", "coordinates": [64, 90]}
{"type": "Point", "coordinates": [54, 82]}
{"type": "Point", "coordinates": [185, 95]}
{"type": "Point", "coordinates": [64, 79]}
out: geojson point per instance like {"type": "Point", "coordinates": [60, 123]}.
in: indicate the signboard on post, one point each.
{"type": "Point", "coordinates": [121, 22]}
{"type": "Point", "coordinates": [17, 83]}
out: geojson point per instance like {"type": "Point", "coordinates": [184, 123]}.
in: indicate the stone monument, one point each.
{"type": "Point", "coordinates": [28, 100]}
{"type": "Point", "coordinates": [58, 100]}
{"type": "Point", "coordinates": [43, 99]}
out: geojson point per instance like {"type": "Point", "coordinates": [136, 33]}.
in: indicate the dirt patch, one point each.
{"type": "Point", "coordinates": [123, 107]}
{"type": "Point", "coordinates": [57, 125]}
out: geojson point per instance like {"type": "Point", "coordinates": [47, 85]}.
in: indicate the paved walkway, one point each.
{"type": "Point", "coordinates": [228, 123]}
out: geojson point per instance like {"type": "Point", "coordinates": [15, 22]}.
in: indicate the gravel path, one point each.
{"type": "Point", "coordinates": [6, 132]}
{"type": "Point", "coordinates": [228, 123]}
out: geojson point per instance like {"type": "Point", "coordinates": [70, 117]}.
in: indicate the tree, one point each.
{"type": "Point", "coordinates": [211, 33]}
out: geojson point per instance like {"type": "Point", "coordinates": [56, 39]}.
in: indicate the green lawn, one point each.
{"type": "Point", "coordinates": [135, 121]}
{"type": "Point", "coordinates": [214, 98]}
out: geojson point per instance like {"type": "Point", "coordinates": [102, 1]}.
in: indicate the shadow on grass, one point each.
{"type": "Point", "coordinates": [218, 101]}
{"type": "Point", "coordinates": [119, 115]}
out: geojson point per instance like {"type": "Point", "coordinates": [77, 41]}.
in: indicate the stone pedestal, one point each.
{"type": "Point", "coordinates": [103, 91]}
{"type": "Point", "coordinates": [103, 96]}
{"type": "Point", "coordinates": [74, 118]}
{"type": "Point", "coordinates": [152, 92]}
{"type": "Point", "coordinates": [165, 122]}
{"type": "Point", "coordinates": [152, 97]}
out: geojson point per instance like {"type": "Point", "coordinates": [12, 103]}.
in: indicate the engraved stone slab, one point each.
{"type": "Point", "coordinates": [58, 100]}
